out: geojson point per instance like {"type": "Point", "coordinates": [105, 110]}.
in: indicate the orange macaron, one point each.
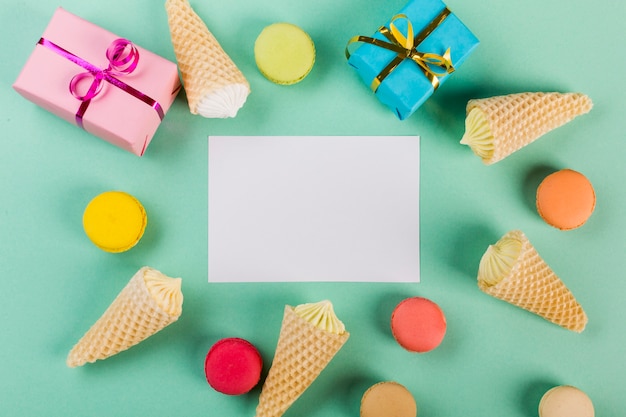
{"type": "Point", "coordinates": [565, 199]}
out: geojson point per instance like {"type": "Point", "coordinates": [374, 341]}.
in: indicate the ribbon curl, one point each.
{"type": "Point", "coordinates": [432, 65]}
{"type": "Point", "coordinates": [123, 59]}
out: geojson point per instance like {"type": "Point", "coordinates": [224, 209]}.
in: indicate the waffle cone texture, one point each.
{"type": "Point", "coordinates": [303, 351]}
{"type": "Point", "coordinates": [533, 286]}
{"type": "Point", "coordinates": [132, 317]}
{"type": "Point", "coordinates": [517, 120]}
{"type": "Point", "coordinates": [214, 85]}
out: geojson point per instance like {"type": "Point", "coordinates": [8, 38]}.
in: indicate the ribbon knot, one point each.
{"type": "Point", "coordinates": [432, 65]}
{"type": "Point", "coordinates": [123, 59]}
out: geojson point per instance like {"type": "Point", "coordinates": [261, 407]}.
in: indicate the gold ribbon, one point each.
{"type": "Point", "coordinates": [432, 65]}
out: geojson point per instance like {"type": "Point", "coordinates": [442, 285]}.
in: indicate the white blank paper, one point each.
{"type": "Point", "coordinates": [293, 208]}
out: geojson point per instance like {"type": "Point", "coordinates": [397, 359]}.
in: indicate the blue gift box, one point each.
{"type": "Point", "coordinates": [405, 88]}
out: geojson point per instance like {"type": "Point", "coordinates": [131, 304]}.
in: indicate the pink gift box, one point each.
{"type": "Point", "coordinates": [66, 65]}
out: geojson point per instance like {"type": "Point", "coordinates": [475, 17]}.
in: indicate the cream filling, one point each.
{"type": "Point", "coordinates": [498, 260]}
{"type": "Point", "coordinates": [478, 134]}
{"type": "Point", "coordinates": [165, 291]}
{"type": "Point", "coordinates": [321, 315]}
{"type": "Point", "coordinates": [223, 102]}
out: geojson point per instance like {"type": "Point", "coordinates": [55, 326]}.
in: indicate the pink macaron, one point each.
{"type": "Point", "coordinates": [233, 366]}
{"type": "Point", "coordinates": [418, 324]}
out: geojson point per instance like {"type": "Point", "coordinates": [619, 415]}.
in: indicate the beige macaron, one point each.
{"type": "Point", "coordinates": [565, 401]}
{"type": "Point", "coordinates": [386, 399]}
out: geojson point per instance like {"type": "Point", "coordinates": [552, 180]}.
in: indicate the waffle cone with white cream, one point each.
{"type": "Point", "coordinates": [310, 337]}
{"type": "Point", "coordinates": [214, 85]}
{"type": "Point", "coordinates": [498, 126]}
{"type": "Point", "coordinates": [148, 303]}
{"type": "Point", "coordinates": [513, 271]}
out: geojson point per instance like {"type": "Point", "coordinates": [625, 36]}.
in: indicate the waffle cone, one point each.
{"type": "Point", "coordinates": [214, 85]}
{"type": "Point", "coordinates": [515, 120]}
{"type": "Point", "coordinates": [533, 286]}
{"type": "Point", "coordinates": [133, 316]}
{"type": "Point", "coordinates": [303, 351]}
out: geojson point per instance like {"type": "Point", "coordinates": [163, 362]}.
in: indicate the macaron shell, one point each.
{"type": "Point", "coordinates": [388, 399]}
{"type": "Point", "coordinates": [114, 221]}
{"type": "Point", "coordinates": [565, 401]}
{"type": "Point", "coordinates": [418, 324]}
{"type": "Point", "coordinates": [233, 366]}
{"type": "Point", "coordinates": [565, 199]}
{"type": "Point", "coordinates": [284, 53]}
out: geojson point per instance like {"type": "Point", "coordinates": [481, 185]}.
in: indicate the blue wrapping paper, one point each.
{"type": "Point", "coordinates": [406, 88]}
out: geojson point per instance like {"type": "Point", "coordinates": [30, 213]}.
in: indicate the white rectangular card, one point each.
{"type": "Point", "coordinates": [313, 208]}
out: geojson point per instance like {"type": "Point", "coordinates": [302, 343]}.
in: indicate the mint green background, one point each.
{"type": "Point", "coordinates": [495, 359]}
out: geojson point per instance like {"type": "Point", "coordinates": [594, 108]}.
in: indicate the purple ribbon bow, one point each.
{"type": "Point", "coordinates": [123, 59]}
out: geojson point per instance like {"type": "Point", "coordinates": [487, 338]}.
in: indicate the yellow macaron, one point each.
{"type": "Point", "coordinates": [284, 53]}
{"type": "Point", "coordinates": [114, 221]}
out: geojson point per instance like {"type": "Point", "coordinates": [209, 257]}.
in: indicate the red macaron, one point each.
{"type": "Point", "coordinates": [418, 324]}
{"type": "Point", "coordinates": [233, 366]}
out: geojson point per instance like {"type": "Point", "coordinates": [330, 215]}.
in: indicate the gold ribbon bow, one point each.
{"type": "Point", "coordinates": [432, 65]}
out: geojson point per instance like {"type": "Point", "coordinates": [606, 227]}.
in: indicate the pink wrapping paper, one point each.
{"type": "Point", "coordinates": [113, 115]}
